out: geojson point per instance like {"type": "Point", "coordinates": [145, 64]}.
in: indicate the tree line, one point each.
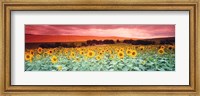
{"type": "Point", "coordinates": [101, 42]}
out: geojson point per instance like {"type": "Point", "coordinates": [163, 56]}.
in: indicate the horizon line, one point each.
{"type": "Point", "coordinates": [107, 36]}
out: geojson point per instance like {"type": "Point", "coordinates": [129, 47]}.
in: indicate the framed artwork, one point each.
{"type": "Point", "coordinates": [100, 47]}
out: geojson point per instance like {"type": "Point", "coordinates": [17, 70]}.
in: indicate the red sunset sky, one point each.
{"type": "Point", "coordinates": [126, 31]}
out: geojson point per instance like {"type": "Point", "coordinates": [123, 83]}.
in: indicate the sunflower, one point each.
{"type": "Point", "coordinates": [133, 47]}
{"type": "Point", "coordinates": [100, 53]}
{"type": "Point", "coordinates": [141, 48]}
{"type": "Point", "coordinates": [78, 49]}
{"type": "Point", "coordinates": [38, 56]}
{"type": "Point", "coordinates": [116, 50]}
{"type": "Point", "coordinates": [170, 47]}
{"type": "Point", "coordinates": [81, 49]}
{"type": "Point", "coordinates": [107, 50]}
{"type": "Point", "coordinates": [68, 57]}
{"type": "Point", "coordinates": [39, 50]}
{"type": "Point", "coordinates": [121, 49]}
{"type": "Point", "coordinates": [54, 49]}
{"type": "Point", "coordinates": [78, 59]}
{"type": "Point", "coordinates": [161, 51]}
{"type": "Point", "coordinates": [133, 53]}
{"type": "Point", "coordinates": [149, 47]}
{"type": "Point", "coordinates": [31, 52]}
{"type": "Point", "coordinates": [121, 55]}
{"type": "Point", "coordinates": [81, 52]}
{"type": "Point", "coordinates": [60, 51]}
{"type": "Point", "coordinates": [98, 57]}
{"type": "Point", "coordinates": [85, 57]}
{"type": "Point", "coordinates": [128, 52]}
{"type": "Point", "coordinates": [111, 56]}
{"type": "Point", "coordinates": [162, 47]}
{"type": "Point", "coordinates": [59, 68]}
{"type": "Point", "coordinates": [72, 55]}
{"type": "Point", "coordinates": [66, 51]}
{"type": "Point", "coordinates": [90, 54]}
{"type": "Point", "coordinates": [50, 52]}
{"type": "Point", "coordinates": [128, 48]}
{"type": "Point", "coordinates": [110, 52]}
{"type": "Point", "coordinates": [54, 59]}
{"type": "Point", "coordinates": [28, 57]}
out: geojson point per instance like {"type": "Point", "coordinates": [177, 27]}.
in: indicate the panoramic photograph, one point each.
{"type": "Point", "coordinates": [99, 47]}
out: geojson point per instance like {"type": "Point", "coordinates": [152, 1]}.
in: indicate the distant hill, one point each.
{"type": "Point", "coordinates": [34, 41]}
{"type": "Point", "coordinates": [157, 40]}
{"type": "Point", "coordinates": [167, 38]}
{"type": "Point", "coordinates": [71, 38]}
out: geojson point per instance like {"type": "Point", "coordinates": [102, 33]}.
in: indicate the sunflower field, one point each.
{"type": "Point", "coordinates": [108, 57]}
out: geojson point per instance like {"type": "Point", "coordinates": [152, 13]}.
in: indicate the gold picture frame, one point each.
{"type": "Point", "coordinates": [152, 5]}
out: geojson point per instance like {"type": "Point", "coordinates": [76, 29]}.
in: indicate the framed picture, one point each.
{"type": "Point", "coordinates": [110, 47]}
{"type": "Point", "coordinates": [98, 47]}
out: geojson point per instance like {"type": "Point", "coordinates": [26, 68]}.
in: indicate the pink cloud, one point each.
{"type": "Point", "coordinates": [131, 31]}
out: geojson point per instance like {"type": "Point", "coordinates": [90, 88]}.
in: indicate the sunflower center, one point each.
{"type": "Point", "coordinates": [27, 56]}
{"type": "Point", "coordinates": [54, 59]}
{"type": "Point", "coordinates": [120, 54]}
{"type": "Point", "coordinates": [90, 53]}
{"type": "Point", "coordinates": [161, 51]}
{"type": "Point", "coordinates": [133, 53]}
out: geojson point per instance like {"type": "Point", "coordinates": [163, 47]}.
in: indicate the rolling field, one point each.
{"type": "Point", "coordinates": [107, 57]}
